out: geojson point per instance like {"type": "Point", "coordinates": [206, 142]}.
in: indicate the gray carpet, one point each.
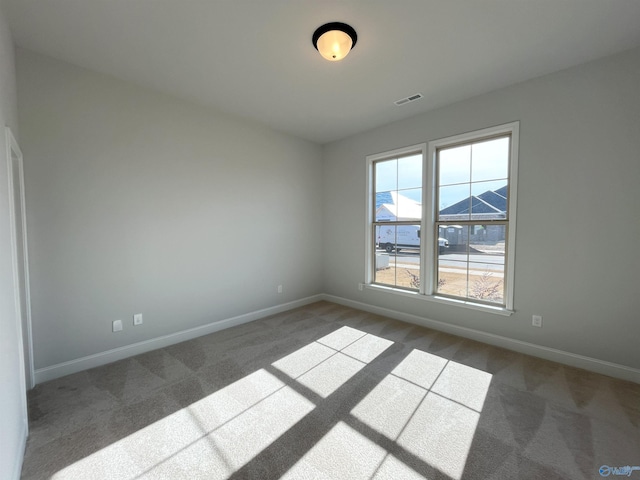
{"type": "Point", "coordinates": [329, 392]}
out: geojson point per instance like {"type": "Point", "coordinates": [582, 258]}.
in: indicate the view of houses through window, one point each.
{"type": "Point", "coordinates": [469, 225]}
{"type": "Point", "coordinates": [398, 216]}
{"type": "Point", "coordinates": [472, 214]}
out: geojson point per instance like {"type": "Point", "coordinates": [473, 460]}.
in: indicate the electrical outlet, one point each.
{"type": "Point", "coordinates": [137, 319]}
{"type": "Point", "coordinates": [536, 321]}
{"type": "Point", "coordinates": [279, 288]}
{"type": "Point", "coordinates": [360, 286]}
{"type": "Point", "coordinates": [117, 325]}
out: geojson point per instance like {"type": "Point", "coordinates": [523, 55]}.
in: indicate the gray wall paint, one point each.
{"type": "Point", "coordinates": [11, 392]}
{"type": "Point", "coordinates": [138, 202]}
{"type": "Point", "coordinates": [578, 208]}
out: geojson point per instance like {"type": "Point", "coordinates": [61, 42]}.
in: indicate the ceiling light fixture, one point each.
{"type": "Point", "coordinates": [334, 40]}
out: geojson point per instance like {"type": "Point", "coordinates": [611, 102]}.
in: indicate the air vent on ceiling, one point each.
{"type": "Point", "coordinates": [411, 98]}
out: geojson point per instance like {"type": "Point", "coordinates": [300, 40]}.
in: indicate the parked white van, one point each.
{"type": "Point", "coordinates": [392, 237]}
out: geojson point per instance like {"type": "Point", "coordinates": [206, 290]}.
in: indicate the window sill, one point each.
{"type": "Point", "coordinates": [442, 300]}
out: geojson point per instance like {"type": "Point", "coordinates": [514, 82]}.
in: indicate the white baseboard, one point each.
{"type": "Point", "coordinates": [73, 366]}
{"type": "Point", "coordinates": [592, 364]}
{"type": "Point", "coordinates": [560, 356]}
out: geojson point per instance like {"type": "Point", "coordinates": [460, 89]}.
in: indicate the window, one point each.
{"type": "Point", "coordinates": [442, 220]}
{"type": "Point", "coordinates": [398, 219]}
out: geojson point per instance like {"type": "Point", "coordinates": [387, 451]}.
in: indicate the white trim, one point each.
{"type": "Point", "coordinates": [430, 235]}
{"type": "Point", "coordinates": [513, 199]}
{"type": "Point", "coordinates": [368, 226]}
{"type": "Point", "coordinates": [420, 148]}
{"type": "Point", "coordinates": [14, 149]}
{"type": "Point", "coordinates": [102, 358]}
{"type": "Point", "coordinates": [513, 129]}
{"type": "Point", "coordinates": [398, 152]}
{"type": "Point", "coordinates": [560, 356]}
{"type": "Point", "coordinates": [567, 358]}
{"type": "Point", "coordinates": [443, 300]}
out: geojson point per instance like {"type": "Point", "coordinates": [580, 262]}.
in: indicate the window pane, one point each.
{"type": "Point", "coordinates": [454, 202]}
{"type": "Point", "coordinates": [453, 235]}
{"type": "Point", "coordinates": [385, 207]}
{"type": "Point", "coordinates": [410, 172]}
{"type": "Point", "coordinates": [386, 174]}
{"type": "Point", "coordinates": [485, 282]}
{"type": "Point", "coordinates": [487, 262]}
{"type": "Point", "coordinates": [383, 197]}
{"type": "Point", "coordinates": [489, 240]}
{"type": "Point", "coordinates": [473, 265]}
{"type": "Point", "coordinates": [414, 194]}
{"type": "Point", "coordinates": [408, 205]}
{"type": "Point", "coordinates": [393, 204]}
{"type": "Point", "coordinates": [398, 256]}
{"type": "Point", "coordinates": [490, 160]}
{"type": "Point", "coordinates": [453, 261]}
{"type": "Point", "coordinates": [454, 165]}
{"type": "Point", "coordinates": [396, 206]}
{"type": "Point", "coordinates": [386, 237]}
{"type": "Point", "coordinates": [489, 200]}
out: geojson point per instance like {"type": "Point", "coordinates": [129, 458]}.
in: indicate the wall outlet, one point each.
{"type": "Point", "coordinates": [360, 286]}
{"type": "Point", "coordinates": [117, 325]}
{"type": "Point", "coordinates": [137, 319]}
{"type": "Point", "coordinates": [279, 288]}
{"type": "Point", "coordinates": [536, 321]}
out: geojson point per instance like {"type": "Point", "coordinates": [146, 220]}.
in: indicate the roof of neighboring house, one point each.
{"type": "Point", "coordinates": [383, 197]}
{"type": "Point", "coordinates": [487, 203]}
{"type": "Point", "coordinates": [495, 200]}
{"type": "Point", "coordinates": [502, 191]}
{"type": "Point", "coordinates": [394, 206]}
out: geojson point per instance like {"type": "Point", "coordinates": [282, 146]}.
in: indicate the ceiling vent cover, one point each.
{"type": "Point", "coordinates": [409, 99]}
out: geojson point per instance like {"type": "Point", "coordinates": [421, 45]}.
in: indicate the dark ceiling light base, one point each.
{"type": "Point", "coordinates": [334, 40]}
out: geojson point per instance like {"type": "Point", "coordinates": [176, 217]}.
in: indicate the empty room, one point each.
{"type": "Point", "coordinates": [319, 240]}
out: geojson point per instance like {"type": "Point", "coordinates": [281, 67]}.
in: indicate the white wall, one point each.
{"type": "Point", "coordinates": [577, 260]}
{"type": "Point", "coordinates": [12, 427]}
{"type": "Point", "coordinates": [138, 202]}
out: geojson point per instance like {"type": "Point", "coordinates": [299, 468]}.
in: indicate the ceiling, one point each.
{"type": "Point", "coordinates": [254, 58]}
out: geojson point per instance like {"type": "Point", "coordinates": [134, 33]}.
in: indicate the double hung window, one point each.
{"type": "Point", "coordinates": [397, 219]}
{"type": "Point", "coordinates": [442, 218]}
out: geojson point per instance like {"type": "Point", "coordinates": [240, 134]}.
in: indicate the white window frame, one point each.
{"type": "Point", "coordinates": [420, 149]}
{"type": "Point", "coordinates": [429, 216]}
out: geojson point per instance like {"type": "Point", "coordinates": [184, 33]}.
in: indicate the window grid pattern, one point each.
{"type": "Point", "coordinates": [453, 224]}
{"type": "Point", "coordinates": [472, 214]}
{"type": "Point", "coordinates": [397, 216]}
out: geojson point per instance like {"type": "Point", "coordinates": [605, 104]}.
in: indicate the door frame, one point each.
{"type": "Point", "coordinates": [14, 153]}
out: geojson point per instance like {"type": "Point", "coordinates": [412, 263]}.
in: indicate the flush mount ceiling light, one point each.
{"type": "Point", "coordinates": [334, 40]}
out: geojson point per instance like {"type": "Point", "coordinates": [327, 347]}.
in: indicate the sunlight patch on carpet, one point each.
{"type": "Point", "coordinates": [440, 433]}
{"type": "Point", "coordinates": [430, 406]}
{"type": "Point", "coordinates": [340, 453]}
{"type": "Point", "coordinates": [427, 406]}
{"type": "Point", "coordinates": [215, 436]}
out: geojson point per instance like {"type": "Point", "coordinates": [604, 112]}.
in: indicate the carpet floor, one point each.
{"type": "Point", "coordinates": [329, 392]}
